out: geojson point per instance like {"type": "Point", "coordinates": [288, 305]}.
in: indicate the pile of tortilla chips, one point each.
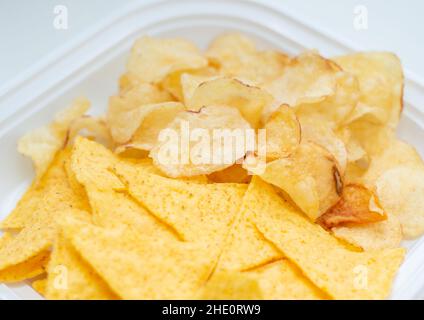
{"type": "Point", "coordinates": [105, 218]}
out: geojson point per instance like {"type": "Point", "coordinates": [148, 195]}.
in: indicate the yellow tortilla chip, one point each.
{"type": "Point", "coordinates": [231, 286]}
{"type": "Point", "coordinates": [70, 277]}
{"type": "Point", "coordinates": [281, 280]}
{"type": "Point", "coordinates": [139, 267]}
{"type": "Point", "coordinates": [340, 272]}
{"type": "Point", "coordinates": [27, 269]}
{"type": "Point", "coordinates": [40, 286]}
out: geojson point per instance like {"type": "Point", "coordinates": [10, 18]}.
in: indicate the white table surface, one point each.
{"type": "Point", "coordinates": [27, 33]}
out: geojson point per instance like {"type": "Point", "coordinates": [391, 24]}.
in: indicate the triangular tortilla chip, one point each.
{"type": "Point", "coordinates": [70, 277]}
{"type": "Point", "coordinates": [330, 265]}
{"type": "Point", "coordinates": [139, 267]}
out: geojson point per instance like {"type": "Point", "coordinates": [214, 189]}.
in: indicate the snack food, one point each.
{"type": "Point", "coordinates": [119, 209]}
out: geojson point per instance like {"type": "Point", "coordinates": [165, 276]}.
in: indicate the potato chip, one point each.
{"type": "Point", "coordinates": [372, 236]}
{"type": "Point", "coordinates": [283, 133]}
{"type": "Point", "coordinates": [322, 134]}
{"type": "Point", "coordinates": [282, 280]}
{"type": "Point", "coordinates": [231, 286]}
{"type": "Point", "coordinates": [310, 177]}
{"type": "Point", "coordinates": [155, 118]}
{"type": "Point", "coordinates": [152, 59]}
{"type": "Point", "coordinates": [42, 144]}
{"type": "Point", "coordinates": [174, 84]}
{"type": "Point", "coordinates": [92, 127]}
{"type": "Point", "coordinates": [381, 82]}
{"type": "Point", "coordinates": [189, 84]}
{"type": "Point", "coordinates": [237, 56]}
{"type": "Point", "coordinates": [308, 78]}
{"type": "Point", "coordinates": [138, 267]}
{"type": "Point", "coordinates": [249, 100]}
{"type": "Point", "coordinates": [70, 277]}
{"type": "Point", "coordinates": [358, 205]}
{"type": "Point", "coordinates": [334, 108]}
{"type": "Point", "coordinates": [400, 191]}
{"type": "Point", "coordinates": [331, 266]}
{"type": "Point", "coordinates": [125, 111]}
{"type": "Point", "coordinates": [217, 144]}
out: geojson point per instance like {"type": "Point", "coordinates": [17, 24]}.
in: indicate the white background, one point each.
{"type": "Point", "coordinates": [27, 34]}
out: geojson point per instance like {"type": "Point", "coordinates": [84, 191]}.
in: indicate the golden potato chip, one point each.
{"type": "Point", "coordinates": [237, 56]}
{"type": "Point", "coordinates": [231, 286]}
{"type": "Point", "coordinates": [174, 84]}
{"type": "Point", "coordinates": [234, 174]}
{"type": "Point", "coordinates": [310, 177]}
{"type": "Point", "coordinates": [189, 84]}
{"type": "Point", "coordinates": [216, 145]}
{"type": "Point", "coordinates": [358, 205]}
{"type": "Point", "coordinates": [70, 277]}
{"type": "Point", "coordinates": [333, 108]}
{"type": "Point", "coordinates": [139, 267]}
{"type": "Point", "coordinates": [124, 115]}
{"type": "Point", "coordinates": [249, 100]}
{"type": "Point", "coordinates": [152, 59]}
{"type": "Point", "coordinates": [397, 153]}
{"type": "Point", "coordinates": [92, 127]}
{"type": "Point", "coordinates": [400, 191]}
{"type": "Point", "coordinates": [155, 118]}
{"type": "Point", "coordinates": [283, 133]}
{"type": "Point", "coordinates": [381, 82]}
{"type": "Point", "coordinates": [282, 280]}
{"type": "Point", "coordinates": [308, 78]}
{"type": "Point", "coordinates": [321, 133]}
{"type": "Point", "coordinates": [42, 144]}
{"type": "Point", "coordinates": [372, 236]}
{"type": "Point", "coordinates": [330, 265]}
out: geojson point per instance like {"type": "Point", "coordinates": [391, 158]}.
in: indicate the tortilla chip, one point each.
{"type": "Point", "coordinates": [40, 286]}
{"type": "Point", "coordinates": [70, 277]}
{"type": "Point", "coordinates": [27, 269]}
{"type": "Point", "coordinates": [139, 267]}
{"type": "Point", "coordinates": [305, 243]}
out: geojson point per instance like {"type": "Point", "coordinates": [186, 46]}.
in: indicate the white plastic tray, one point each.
{"type": "Point", "coordinates": [92, 64]}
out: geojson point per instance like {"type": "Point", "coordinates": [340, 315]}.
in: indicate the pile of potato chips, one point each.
{"type": "Point", "coordinates": [105, 219]}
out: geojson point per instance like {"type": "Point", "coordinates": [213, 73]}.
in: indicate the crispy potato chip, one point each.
{"type": "Point", "coordinates": [358, 205]}
{"type": "Point", "coordinates": [334, 108]}
{"type": "Point", "coordinates": [174, 84]}
{"type": "Point", "coordinates": [381, 82]}
{"type": "Point", "coordinates": [139, 267]}
{"type": "Point", "coordinates": [237, 56]}
{"type": "Point", "coordinates": [400, 191]}
{"type": "Point", "coordinates": [42, 144]}
{"type": "Point", "coordinates": [372, 236]}
{"type": "Point", "coordinates": [329, 264]}
{"type": "Point", "coordinates": [92, 127]}
{"type": "Point", "coordinates": [189, 84]}
{"type": "Point", "coordinates": [234, 174]}
{"type": "Point", "coordinates": [322, 134]}
{"type": "Point", "coordinates": [308, 78]}
{"type": "Point", "coordinates": [70, 277]}
{"type": "Point", "coordinates": [155, 118]}
{"type": "Point", "coordinates": [397, 153]}
{"type": "Point", "coordinates": [249, 100]}
{"type": "Point", "coordinates": [125, 111]}
{"type": "Point", "coordinates": [310, 177]}
{"type": "Point", "coordinates": [283, 133]}
{"type": "Point", "coordinates": [231, 286]}
{"type": "Point", "coordinates": [152, 59]}
{"type": "Point", "coordinates": [217, 145]}
{"type": "Point", "coordinates": [282, 280]}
